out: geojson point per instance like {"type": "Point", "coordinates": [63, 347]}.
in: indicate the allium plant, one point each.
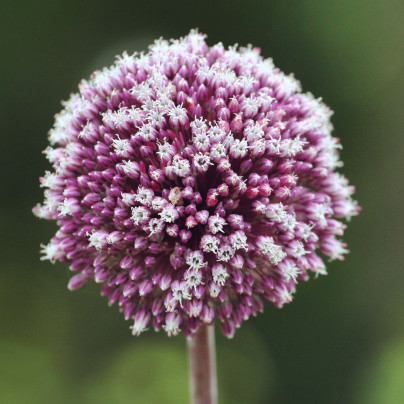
{"type": "Point", "coordinates": [194, 182]}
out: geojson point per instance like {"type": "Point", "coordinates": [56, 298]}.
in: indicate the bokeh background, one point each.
{"type": "Point", "coordinates": [340, 341]}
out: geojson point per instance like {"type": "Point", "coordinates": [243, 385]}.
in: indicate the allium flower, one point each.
{"type": "Point", "coordinates": [193, 182]}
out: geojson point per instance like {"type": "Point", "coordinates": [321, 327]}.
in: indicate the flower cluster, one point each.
{"type": "Point", "coordinates": [193, 182]}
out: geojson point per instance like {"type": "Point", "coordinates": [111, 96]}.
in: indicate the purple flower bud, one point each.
{"type": "Point", "coordinates": [136, 273]}
{"type": "Point", "coordinates": [121, 278]}
{"type": "Point", "coordinates": [228, 328]}
{"type": "Point", "coordinates": [101, 275]}
{"type": "Point", "coordinates": [185, 235]}
{"type": "Point", "coordinates": [129, 289]}
{"type": "Point", "coordinates": [142, 318]}
{"type": "Point", "coordinates": [145, 287]}
{"type": "Point", "coordinates": [208, 314]}
{"type": "Point", "coordinates": [77, 282]}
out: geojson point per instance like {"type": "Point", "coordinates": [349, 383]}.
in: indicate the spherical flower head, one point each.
{"type": "Point", "coordinates": [193, 182]}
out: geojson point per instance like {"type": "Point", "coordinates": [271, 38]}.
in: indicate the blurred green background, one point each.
{"type": "Point", "coordinates": [340, 341]}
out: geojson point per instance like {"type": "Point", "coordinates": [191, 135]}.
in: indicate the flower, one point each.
{"type": "Point", "coordinates": [193, 182]}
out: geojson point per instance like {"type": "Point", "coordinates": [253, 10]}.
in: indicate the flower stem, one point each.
{"type": "Point", "coordinates": [202, 366]}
